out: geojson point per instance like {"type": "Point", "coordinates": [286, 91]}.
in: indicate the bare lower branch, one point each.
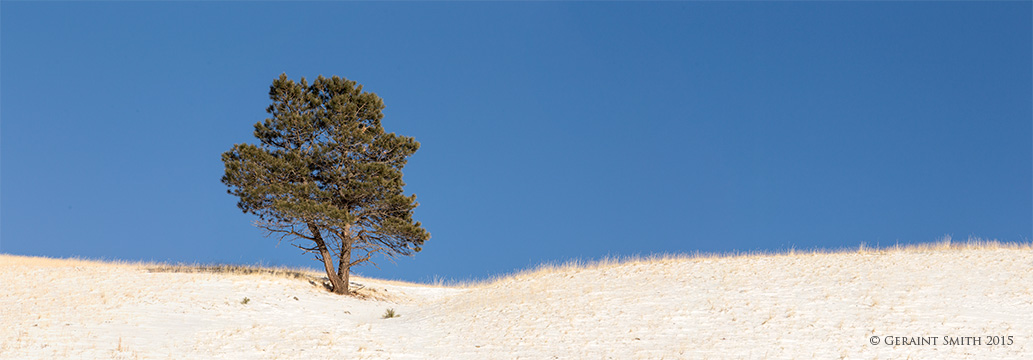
{"type": "Point", "coordinates": [306, 249]}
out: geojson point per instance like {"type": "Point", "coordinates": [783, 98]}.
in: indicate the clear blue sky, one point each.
{"type": "Point", "coordinates": [550, 130]}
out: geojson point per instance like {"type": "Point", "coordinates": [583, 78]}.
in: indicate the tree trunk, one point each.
{"type": "Point", "coordinates": [339, 286]}
{"type": "Point", "coordinates": [345, 278]}
{"type": "Point", "coordinates": [345, 257]}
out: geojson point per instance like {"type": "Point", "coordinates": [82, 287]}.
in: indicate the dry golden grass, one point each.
{"type": "Point", "coordinates": [944, 244]}
{"type": "Point", "coordinates": [18, 260]}
{"type": "Point", "coordinates": [316, 277]}
{"type": "Point", "coordinates": [285, 272]}
{"type": "Point", "coordinates": [313, 277]}
{"type": "Point", "coordinates": [228, 269]}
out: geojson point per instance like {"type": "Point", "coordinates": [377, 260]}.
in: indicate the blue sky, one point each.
{"type": "Point", "coordinates": [549, 130]}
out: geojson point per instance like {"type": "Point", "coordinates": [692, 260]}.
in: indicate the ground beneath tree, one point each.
{"type": "Point", "coordinates": [801, 305]}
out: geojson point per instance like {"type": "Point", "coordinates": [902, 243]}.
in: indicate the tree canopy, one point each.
{"type": "Point", "coordinates": [327, 176]}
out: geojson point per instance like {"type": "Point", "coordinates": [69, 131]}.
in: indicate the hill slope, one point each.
{"type": "Point", "coordinates": [817, 305]}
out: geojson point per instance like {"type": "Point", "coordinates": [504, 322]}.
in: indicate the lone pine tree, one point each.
{"type": "Point", "coordinates": [327, 176]}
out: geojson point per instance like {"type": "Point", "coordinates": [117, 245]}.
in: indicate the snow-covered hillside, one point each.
{"type": "Point", "coordinates": [788, 306]}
